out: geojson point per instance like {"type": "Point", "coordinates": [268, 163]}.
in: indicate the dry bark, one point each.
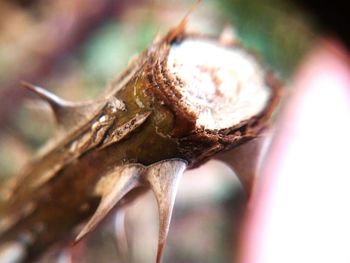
{"type": "Point", "coordinates": [139, 135]}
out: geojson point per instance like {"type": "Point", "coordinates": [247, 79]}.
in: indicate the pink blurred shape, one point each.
{"type": "Point", "coordinates": [300, 211]}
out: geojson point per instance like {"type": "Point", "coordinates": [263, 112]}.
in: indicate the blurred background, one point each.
{"type": "Point", "coordinates": [75, 48]}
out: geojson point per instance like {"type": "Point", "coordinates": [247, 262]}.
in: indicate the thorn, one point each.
{"type": "Point", "coordinates": [244, 161]}
{"type": "Point", "coordinates": [163, 178]}
{"type": "Point", "coordinates": [180, 28]}
{"type": "Point", "coordinates": [227, 36]}
{"type": "Point", "coordinates": [52, 99]}
{"type": "Point", "coordinates": [120, 233]}
{"type": "Point", "coordinates": [67, 114]}
{"type": "Point", "coordinates": [112, 188]}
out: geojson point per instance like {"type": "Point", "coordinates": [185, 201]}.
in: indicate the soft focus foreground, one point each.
{"type": "Point", "coordinates": [74, 48]}
{"type": "Point", "coordinates": [300, 209]}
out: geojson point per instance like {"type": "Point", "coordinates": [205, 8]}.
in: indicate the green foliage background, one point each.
{"type": "Point", "coordinates": [277, 29]}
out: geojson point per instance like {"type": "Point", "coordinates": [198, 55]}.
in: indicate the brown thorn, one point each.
{"type": "Point", "coordinates": [112, 188]}
{"type": "Point", "coordinates": [67, 113]}
{"type": "Point", "coordinates": [163, 178]}
{"type": "Point", "coordinates": [244, 161]}
{"type": "Point", "coordinates": [180, 28]}
{"type": "Point", "coordinates": [52, 99]}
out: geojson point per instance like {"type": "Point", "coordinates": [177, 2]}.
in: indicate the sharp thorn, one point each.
{"type": "Point", "coordinates": [181, 26]}
{"type": "Point", "coordinates": [67, 114]}
{"type": "Point", "coordinates": [163, 178]}
{"type": "Point", "coordinates": [244, 161]}
{"type": "Point", "coordinates": [227, 36]}
{"type": "Point", "coordinates": [112, 188]}
{"type": "Point", "coordinates": [52, 99]}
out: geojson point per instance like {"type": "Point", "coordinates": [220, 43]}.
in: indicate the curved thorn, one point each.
{"type": "Point", "coordinates": [163, 178]}
{"type": "Point", "coordinates": [244, 161]}
{"type": "Point", "coordinates": [52, 99]}
{"type": "Point", "coordinates": [67, 114]}
{"type": "Point", "coordinates": [112, 187]}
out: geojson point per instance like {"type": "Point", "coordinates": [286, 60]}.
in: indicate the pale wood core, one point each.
{"type": "Point", "coordinates": [222, 86]}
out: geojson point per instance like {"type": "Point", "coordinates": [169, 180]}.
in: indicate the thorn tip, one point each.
{"type": "Point", "coordinates": [112, 188]}
{"type": "Point", "coordinates": [163, 178]}
{"type": "Point", "coordinates": [54, 101]}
